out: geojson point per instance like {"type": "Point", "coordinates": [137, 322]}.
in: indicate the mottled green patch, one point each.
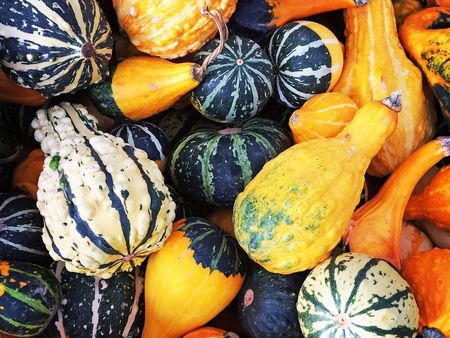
{"type": "Point", "coordinates": [54, 162]}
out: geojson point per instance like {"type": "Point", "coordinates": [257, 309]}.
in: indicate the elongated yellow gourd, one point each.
{"type": "Point", "coordinates": [295, 211]}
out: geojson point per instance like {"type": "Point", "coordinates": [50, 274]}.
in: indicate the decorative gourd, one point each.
{"type": "Point", "coordinates": [18, 120]}
{"type": "Point", "coordinates": [439, 236]}
{"type": "Point", "coordinates": [322, 116]}
{"type": "Point", "coordinates": [170, 28]}
{"type": "Point", "coordinates": [433, 203]}
{"type": "Point", "coordinates": [443, 3]}
{"type": "Point", "coordinates": [208, 268]}
{"type": "Point", "coordinates": [354, 295]}
{"type": "Point", "coordinates": [142, 86]}
{"type": "Point", "coordinates": [26, 174]}
{"type": "Point", "coordinates": [412, 241]}
{"type": "Point", "coordinates": [256, 19]}
{"type": "Point", "coordinates": [428, 274]}
{"type": "Point", "coordinates": [145, 136]}
{"type": "Point", "coordinates": [237, 84]}
{"type": "Point", "coordinates": [105, 204]}
{"type": "Point", "coordinates": [95, 307]}
{"type": "Point", "coordinates": [267, 304]}
{"type": "Point", "coordinates": [375, 65]}
{"type": "Point", "coordinates": [293, 213]}
{"type": "Point", "coordinates": [404, 8]}
{"type": "Point", "coordinates": [183, 207]}
{"type": "Point", "coordinates": [308, 60]}
{"type": "Point", "coordinates": [54, 49]}
{"type": "Point", "coordinates": [21, 230]}
{"type": "Point", "coordinates": [29, 297]}
{"type": "Point", "coordinates": [375, 228]}
{"type": "Point", "coordinates": [11, 92]}
{"type": "Point", "coordinates": [210, 332]}
{"type": "Point", "coordinates": [223, 218]}
{"type": "Point", "coordinates": [426, 37]}
{"type": "Point", "coordinates": [214, 165]}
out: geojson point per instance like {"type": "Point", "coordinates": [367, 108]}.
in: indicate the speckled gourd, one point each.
{"type": "Point", "coordinates": [105, 204]}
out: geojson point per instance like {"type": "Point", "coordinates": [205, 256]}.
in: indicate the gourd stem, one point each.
{"type": "Point", "coordinates": [223, 33]}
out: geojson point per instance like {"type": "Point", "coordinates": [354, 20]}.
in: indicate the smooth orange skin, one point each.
{"type": "Point", "coordinates": [143, 86]}
{"type": "Point", "coordinates": [412, 241]}
{"type": "Point", "coordinates": [375, 228]}
{"type": "Point", "coordinates": [375, 66]}
{"type": "Point", "coordinates": [206, 332]}
{"type": "Point", "coordinates": [428, 274]}
{"type": "Point", "coordinates": [181, 295]}
{"type": "Point", "coordinates": [433, 203]}
{"type": "Point", "coordinates": [443, 3]}
{"type": "Point", "coordinates": [223, 217]}
{"type": "Point", "coordinates": [26, 174]}
{"type": "Point", "coordinates": [11, 92]}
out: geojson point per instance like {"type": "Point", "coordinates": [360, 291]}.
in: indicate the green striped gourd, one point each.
{"type": "Point", "coordinates": [308, 60]}
{"type": "Point", "coordinates": [29, 297]}
{"type": "Point", "coordinates": [354, 295]}
{"type": "Point", "coordinates": [237, 84]}
{"type": "Point", "coordinates": [215, 165]}
{"type": "Point", "coordinates": [21, 230]}
{"type": "Point", "coordinates": [54, 47]}
{"type": "Point", "coordinates": [105, 204]}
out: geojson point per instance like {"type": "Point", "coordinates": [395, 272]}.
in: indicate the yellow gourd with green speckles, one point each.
{"type": "Point", "coordinates": [295, 211]}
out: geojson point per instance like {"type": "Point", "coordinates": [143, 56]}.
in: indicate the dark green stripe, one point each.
{"type": "Point", "coordinates": [384, 303]}
{"type": "Point", "coordinates": [35, 304]}
{"type": "Point", "coordinates": [18, 324]}
{"type": "Point", "coordinates": [332, 282]}
{"type": "Point", "coordinates": [399, 331]}
{"type": "Point", "coordinates": [38, 278]}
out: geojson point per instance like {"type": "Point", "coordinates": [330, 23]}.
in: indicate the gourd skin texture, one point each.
{"type": "Point", "coordinates": [292, 214]}
{"type": "Point", "coordinates": [375, 228]}
{"type": "Point", "coordinates": [13, 93]}
{"type": "Point", "coordinates": [412, 241]}
{"type": "Point", "coordinates": [426, 37]}
{"type": "Point", "coordinates": [207, 267]}
{"type": "Point", "coordinates": [429, 276]}
{"type": "Point", "coordinates": [109, 197]}
{"type": "Point", "coordinates": [26, 174]}
{"type": "Point", "coordinates": [322, 116]}
{"type": "Point", "coordinates": [208, 332]}
{"type": "Point", "coordinates": [54, 49]}
{"type": "Point", "coordinates": [354, 295]}
{"type": "Point", "coordinates": [170, 28]}
{"type": "Point", "coordinates": [433, 203]}
{"type": "Point", "coordinates": [375, 65]}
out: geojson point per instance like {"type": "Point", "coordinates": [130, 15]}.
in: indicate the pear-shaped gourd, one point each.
{"type": "Point", "coordinates": [294, 212]}
{"type": "Point", "coordinates": [105, 204]}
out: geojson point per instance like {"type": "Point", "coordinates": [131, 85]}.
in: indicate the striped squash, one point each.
{"type": "Point", "coordinates": [308, 60]}
{"type": "Point", "coordinates": [237, 84]}
{"type": "Point", "coordinates": [21, 230]}
{"type": "Point", "coordinates": [145, 136]}
{"type": "Point", "coordinates": [29, 297]}
{"type": "Point", "coordinates": [105, 204]}
{"type": "Point", "coordinates": [54, 47]}
{"type": "Point", "coordinates": [214, 165]}
{"type": "Point", "coordinates": [95, 307]}
{"type": "Point", "coordinates": [354, 295]}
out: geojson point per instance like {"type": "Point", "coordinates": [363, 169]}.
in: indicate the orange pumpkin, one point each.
{"type": "Point", "coordinates": [428, 274]}
{"type": "Point", "coordinates": [210, 332]}
{"type": "Point", "coordinates": [376, 65]}
{"type": "Point", "coordinates": [26, 174]}
{"type": "Point", "coordinates": [322, 116]}
{"type": "Point", "coordinates": [170, 28]}
{"type": "Point", "coordinates": [11, 92]}
{"type": "Point", "coordinates": [412, 241]}
{"type": "Point", "coordinates": [375, 228]}
{"type": "Point", "coordinates": [223, 217]}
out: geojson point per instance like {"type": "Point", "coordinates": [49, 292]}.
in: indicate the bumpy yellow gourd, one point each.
{"type": "Point", "coordinates": [295, 211]}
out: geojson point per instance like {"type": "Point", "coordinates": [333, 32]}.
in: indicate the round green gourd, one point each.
{"type": "Point", "coordinates": [354, 295]}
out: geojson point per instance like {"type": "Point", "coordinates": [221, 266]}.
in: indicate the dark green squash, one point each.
{"type": "Point", "coordinates": [184, 208]}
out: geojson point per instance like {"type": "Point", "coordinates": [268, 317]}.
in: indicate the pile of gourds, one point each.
{"type": "Point", "coordinates": [224, 168]}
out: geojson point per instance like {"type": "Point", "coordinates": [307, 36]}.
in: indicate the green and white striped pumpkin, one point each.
{"type": "Point", "coordinates": [354, 295]}
{"type": "Point", "coordinates": [237, 84]}
{"type": "Point", "coordinates": [54, 47]}
{"type": "Point", "coordinates": [105, 204]}
{"type": "Point", "coordinates": [215, 165]}
{"type": "Point", "coordinates": [308, 60]}
{"type": "Point", "coordinates": [21, 230]}
{"type": "Point", "coordinates": [29, 297]}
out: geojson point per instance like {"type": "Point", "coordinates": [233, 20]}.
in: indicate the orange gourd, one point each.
{"type": "Point", "coordinates": [322, 116]}
{"type": "Point", "coordinates": [404, 8]}
{"type": "Point", "coordinates": [223, 217]}
{"type": "Point", "coordinates": [412, 241]}
{"type": "Point", "coordinates": [433, 203]}
{"type": "Point", "coordinates": [170, 28]}
{"type": "Point", "coordinates": [26, 174]}
{"type": "Point", "coordinates": [11, 92]}
{"type": "Point", "coordinates": [443, 3]}
{"type": "Point", "coordinates": [375, 228]}
{"type": "Point", "coordinates": [428, 274]}
{"type": "Point", "coordinates": [375, 65]}
{"type": "Point", "coordinates": [210, 332]}
{"type": "Point", "coordinates": [425, 35]}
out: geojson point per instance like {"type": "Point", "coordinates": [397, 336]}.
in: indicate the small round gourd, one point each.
{"type": "Point", "coordinates": [237, 84]}
{"type": "Point", "coordinates": [145, 136]}
{"type": "Point", "coordinates": [354, 295]}
{"type": "Point", "coordinates": [308, 60]}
